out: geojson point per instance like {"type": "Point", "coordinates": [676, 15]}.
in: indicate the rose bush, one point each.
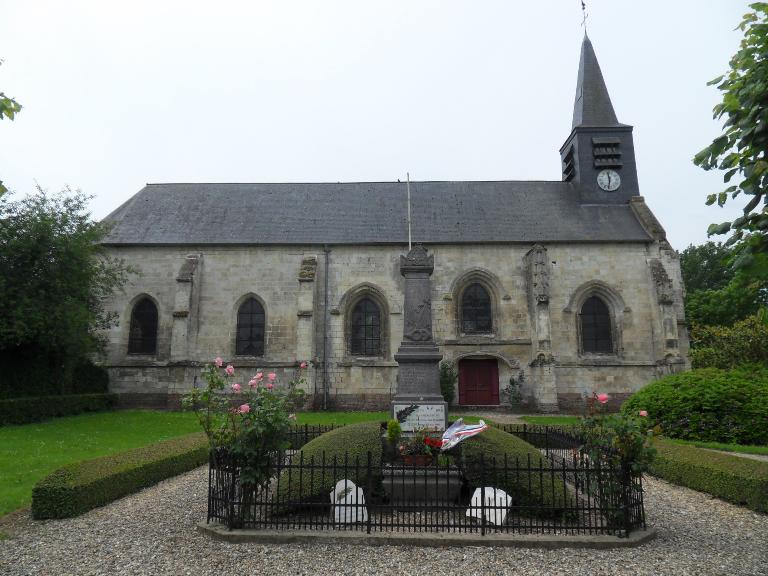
{"type": "Point", "coordinates": [256, 430]}
{"type": "Point", "coordinates": [621, 440]}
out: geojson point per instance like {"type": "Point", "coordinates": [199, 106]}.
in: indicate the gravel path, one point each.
{"type": "Point", "coordinates": [760, 457]}
{"type": "Point", "coordinates": [153, 532]}
{"type": "Point", "coordinates": [499, 417]}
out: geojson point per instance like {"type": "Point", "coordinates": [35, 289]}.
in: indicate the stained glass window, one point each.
{"type": "Point", "coordinates": [596, 327]}
{"type": "Point", "coordinates": [142, 337]}
{"type": "Point", "coordinates": [365, 329]}
{"type": "Point", "coordinates": [250, 329]}
{"type": "Point", "coordinates": [476, 310]}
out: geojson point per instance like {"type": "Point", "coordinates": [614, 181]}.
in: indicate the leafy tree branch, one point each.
{"type": "Point", "coordinates": [741, 151]}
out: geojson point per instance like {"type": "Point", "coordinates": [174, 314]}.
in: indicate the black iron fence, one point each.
{"type": "Point", "coordinates": [560, 492]}
{"type": "Point", "coordinates": [300, 435]}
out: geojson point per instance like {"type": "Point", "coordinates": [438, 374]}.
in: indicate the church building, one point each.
{"type": "Point", "coordinates": [550, 289]}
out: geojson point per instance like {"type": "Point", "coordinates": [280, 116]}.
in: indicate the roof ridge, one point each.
{"type": "Point", "coordinates": [292, 183]}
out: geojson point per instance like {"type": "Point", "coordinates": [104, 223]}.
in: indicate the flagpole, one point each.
{"type": "Point", "coordinates": [408, 185]}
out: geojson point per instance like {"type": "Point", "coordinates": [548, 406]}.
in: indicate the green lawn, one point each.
{"type": "Point", "coordinates": [31, 451]}
{"type": "Point", "coordinates": [552, 420]}
{"type": "Point", "coordinates": [339, 417]}
{"type": "Point", "coordinates": [355, 417]}
{"type": "Point", "coordinates": [720, 446]}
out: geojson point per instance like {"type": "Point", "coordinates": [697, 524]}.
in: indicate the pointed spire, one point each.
{"type": "Point", "coordinates": [593, 105]}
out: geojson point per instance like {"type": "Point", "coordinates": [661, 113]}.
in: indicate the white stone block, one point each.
{"type": "Point", "coordinates": [497, 503]}
{"type": "Point", "coordinates": [348, 503]}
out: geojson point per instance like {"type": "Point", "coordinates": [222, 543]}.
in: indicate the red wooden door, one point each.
{"type": "Point", "coordinates": [478, 382]}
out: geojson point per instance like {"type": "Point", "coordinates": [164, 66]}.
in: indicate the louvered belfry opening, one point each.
{"type": "Point", "coordinates": [365, 329]}
{"type": "Point", "coordinates": [476, 310]}
{"type": "Point", "coordinates": [250, 329]}
{"type": "Point", "coordinates": [596, 327]}
{"type": "Point", "coordinates": [143, 332]}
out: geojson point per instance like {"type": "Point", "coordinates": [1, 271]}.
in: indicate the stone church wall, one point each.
{"type": "Point", "coordinates": [198, 298]}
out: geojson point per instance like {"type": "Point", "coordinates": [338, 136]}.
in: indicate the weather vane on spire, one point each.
{"type": "Point", "coordinates": [585, 14]}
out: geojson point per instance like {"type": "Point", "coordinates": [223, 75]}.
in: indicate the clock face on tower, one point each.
{"type": "Point", "coordinates": [609, 180]}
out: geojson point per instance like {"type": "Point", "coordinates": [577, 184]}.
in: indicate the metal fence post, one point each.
{"type": "Point", "coordinates": [482, 495]}
{"type": "Point", "coordinates": [626, 486]}
{"type": "Point", "coordinates": [367, 498]}
{"type": "Point", "coordinates": [211, 483]}
{"type": "Point", "coordinates": [231, 491]}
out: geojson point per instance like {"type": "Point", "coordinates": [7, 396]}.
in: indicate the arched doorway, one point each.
{"type": "Point", "coordinates": [478, 382]}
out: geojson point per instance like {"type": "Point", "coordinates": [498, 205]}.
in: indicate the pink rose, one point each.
{"type": "Point", "coordinates": [253, 383]}
{"type": "Point", "coordinates": [236, 387]}
{"type": "Point", "coordinates": [271, 376]}
{"type": "Point", "coordinates": [643, 413]}
{"type": "Point", "coordinates": [602, 398]}
{"type": "Point", "coordinates": [244, 409]}
{"type": "Point", "coordinates": [270, 386]}
{"type": "Point", "coordinates": [258, 376]}
{"type": "Point", "coordinates": [303, 365]}
{"type": "Point", "coordinates": [219, 362]}
{"type": "Point", "coordinates": [229, 370]}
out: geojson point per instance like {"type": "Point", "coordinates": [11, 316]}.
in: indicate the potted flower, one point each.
{"type": "Point", "coordinates": [420, 448]}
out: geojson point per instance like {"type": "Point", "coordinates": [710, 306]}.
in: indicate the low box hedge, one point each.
{"type": "Point", "coordinates": [732, 478]}
{"type": "Point", "coordinates": [26, 410]}
{"type": "Point", "coordinates": [352, 442]}
{"type": "Point", "coordinates": [77, 488]}
{"type": "Point", "coordinates": [525, 487]}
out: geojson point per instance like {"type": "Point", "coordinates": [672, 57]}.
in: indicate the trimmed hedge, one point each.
{"type": "Point", "coordinates": [708, 404]}
{"type": "Point", "coordinates": [356, 440]}
{"type": "Point", "coordinates": [731, 478]}
{"type": "Point", "coordinates": [26, 410]}
{"type": "Point", "coordinates": [77, 488]}
{"type": "Point", "coordinates": [525, 488]}
{"type": "Point", "coordinates": [31, 371]}
{"type": "Point", "coordinates": [90, 378]}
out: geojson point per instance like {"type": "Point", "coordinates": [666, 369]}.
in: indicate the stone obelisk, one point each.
{"type": "Point", "coordinates": [418, 388]}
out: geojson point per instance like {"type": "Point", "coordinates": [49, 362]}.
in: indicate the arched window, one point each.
{"type": "Point", "coordinates": [476, 310]}
{"type": "Point", "coordinates": [250, 329]}
{"type": "Point", "coordinates": [596, 327]}
{"type": "Point", "coordinates": [142, 337]}
{"type": "Point", "coordinates": [365, 329]}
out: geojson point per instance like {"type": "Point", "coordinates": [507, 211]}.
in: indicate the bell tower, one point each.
{"type": "Point", "coordinates": [599, 155]}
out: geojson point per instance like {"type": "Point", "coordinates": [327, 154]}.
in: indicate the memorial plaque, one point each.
{"type": "Point", "coordinates": [432, 416]}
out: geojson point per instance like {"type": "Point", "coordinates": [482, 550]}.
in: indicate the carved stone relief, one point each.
{"type": "Point", "coordinates": [662, 281]}
{"type": "Point", "coordinates": [418, 322]}
{"type": "Point", "coordinates": [308, 269]}
{"type": "Point", "coordinates": [537, 274]}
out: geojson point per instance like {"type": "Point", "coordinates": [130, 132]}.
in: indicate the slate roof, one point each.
{"type": "Point", "coordinates": [592, 106]}
{"type": "Point", "coordinates": [368, 213]}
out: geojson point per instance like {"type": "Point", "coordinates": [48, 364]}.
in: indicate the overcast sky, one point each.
{"type": "Point", "coordinates": [117, 94]}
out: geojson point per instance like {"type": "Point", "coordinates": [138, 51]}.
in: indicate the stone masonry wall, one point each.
{"type": "Point", "coordinates": [197, 319]}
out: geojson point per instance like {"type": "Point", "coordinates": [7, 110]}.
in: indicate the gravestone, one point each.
{"type": "Point", "coordinates": [418, 399]}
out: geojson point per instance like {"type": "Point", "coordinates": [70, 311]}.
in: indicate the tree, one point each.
{"type": "Point", "coordinates": [740, 298]}
{"type": "Point", "coordinates": [742, 148]}
{"type": "Point", "coordinates": [8, 109]}
{"type": "Point", "coordinates": [8, 106]}
{"type": "Point", "coordinates": [705, 267]}
{"type": "Point", "coordinates": [54, 277]}
{"type": "Point", "coordinates": [718, 295]}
